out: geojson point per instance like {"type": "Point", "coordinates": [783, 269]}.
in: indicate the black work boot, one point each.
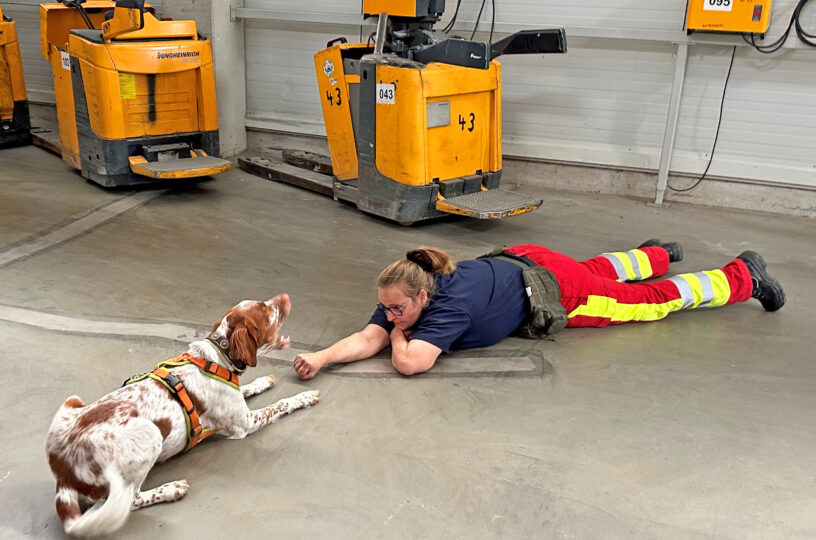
{"type": "Point", "coordinates": [674, 248]}
{"type": "Point", "coordinates": [766, 289]}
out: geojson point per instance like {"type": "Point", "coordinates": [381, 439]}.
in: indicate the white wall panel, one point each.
{"type": "Point", "coordinates": [604, 102]}
{"type": "Point", "coordinates": [620, 14]}
{"type": "Point", "coordinates": [769, 117]}
{"type": "Point", "coordinates": [309, 6]}
{"type": "Point", "coordinates": [281, 81]}
{"type": "Point", "coordinates": [590, 105]}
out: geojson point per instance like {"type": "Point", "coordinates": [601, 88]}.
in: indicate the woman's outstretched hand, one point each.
{"type": "Point", "coordinates": [307, 365]}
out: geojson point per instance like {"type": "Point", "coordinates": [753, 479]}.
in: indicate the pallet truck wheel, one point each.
{"type": "Point", "coordinates": [407, 223]}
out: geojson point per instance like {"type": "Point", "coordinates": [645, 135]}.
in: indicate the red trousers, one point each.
{"type": "Point", "coordinates": [595, 293]}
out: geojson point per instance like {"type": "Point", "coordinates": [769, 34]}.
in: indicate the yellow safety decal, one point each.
{"type": "Point", "coordinates": [127, 85]}
{"type": "Point", "coordinates": [609, 308]}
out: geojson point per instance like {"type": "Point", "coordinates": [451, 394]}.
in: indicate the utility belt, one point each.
{"type": "Point", "coordinates": [546, 314]}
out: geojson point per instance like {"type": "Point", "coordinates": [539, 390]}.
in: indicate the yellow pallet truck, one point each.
{"type": "Point", "coordinates": [413, 119]}
{"type": "Point", "coordinates": [135, 95]}
{"type": "Point", "coordinates": [15, 126]}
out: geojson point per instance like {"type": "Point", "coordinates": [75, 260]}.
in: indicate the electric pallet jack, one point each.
{"type": "Point", "coordinates": [15, 126]}
{"type": "Point", "coordinates": [413, 119]}
{"type": "Point", "coordinates": [135, 95]}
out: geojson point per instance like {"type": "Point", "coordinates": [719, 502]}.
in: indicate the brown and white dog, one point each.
{"type": "Point", "coordinates": [102, 452]}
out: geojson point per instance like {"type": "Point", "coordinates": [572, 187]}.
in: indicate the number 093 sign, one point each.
{"type": "Point", "coordinates": [717, 5]}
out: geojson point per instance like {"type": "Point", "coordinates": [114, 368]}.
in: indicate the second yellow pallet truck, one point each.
{"type": "Point", "coordinates": [413, 120]}
{"type": "Point", "coordinates": [14, 120]}
{"type": "Point", "coordinates": [135, 95]}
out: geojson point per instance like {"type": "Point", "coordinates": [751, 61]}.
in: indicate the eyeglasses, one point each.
{"type": "Point", "coordinates": [393, 310]}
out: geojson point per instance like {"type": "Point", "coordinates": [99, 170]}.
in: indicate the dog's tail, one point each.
{"type": "Point", "coordinates": [102, 518]}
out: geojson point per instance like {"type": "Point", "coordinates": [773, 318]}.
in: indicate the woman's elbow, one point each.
{"type": "Point", "coordinates": [409, 367]}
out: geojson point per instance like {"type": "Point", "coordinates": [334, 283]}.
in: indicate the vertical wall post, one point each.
{"type": "Point", "coordinates": [229, 61]}
{"type": "Point", "coordinates": [680, 63]}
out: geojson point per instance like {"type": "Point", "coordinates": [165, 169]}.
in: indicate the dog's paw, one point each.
{"type": "Point", "coordinates": [307, 399]}
{"type": "Point", "coordinates": [180, 488]}
{"type": "Point", "coordinates": [271, 379]}
{"type": "Point", "coordinates": [283, 342]}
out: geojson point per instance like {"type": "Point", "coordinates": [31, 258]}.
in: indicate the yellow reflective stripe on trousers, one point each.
{"type": "Point", "coordinates": [609, 308]}
{"type": "Point", "coordinates": [703, 289]}
{"type": "Point", "coordinates": [632, 265]}
{"type": "Point", "coordinates": [700, 289]}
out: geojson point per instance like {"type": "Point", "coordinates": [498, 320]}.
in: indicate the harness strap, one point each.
{"type": "Point", "coordinates": [195, 431]}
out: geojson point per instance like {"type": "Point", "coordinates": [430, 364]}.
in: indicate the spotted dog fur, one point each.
{"type": "Point", "coordinates": [101, 453]}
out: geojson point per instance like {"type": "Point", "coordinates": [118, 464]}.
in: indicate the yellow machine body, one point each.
{"type": "Point", "coordinates": [738, 16]}
{"type": "Point", "coordinates": [137, 90]}
{"type": "Point", "coordinates": [14, 119]}
{"type": "Point", "coordinates": [433, 123]}
{"type": "Point", "coordinates": [394, 8]}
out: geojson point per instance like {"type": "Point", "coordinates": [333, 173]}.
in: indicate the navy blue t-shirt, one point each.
{"type": "Point", "coordinates": [480, 304]}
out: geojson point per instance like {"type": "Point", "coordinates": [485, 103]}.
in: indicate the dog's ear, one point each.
{"type": "Point", "coordinates": [243, 346]}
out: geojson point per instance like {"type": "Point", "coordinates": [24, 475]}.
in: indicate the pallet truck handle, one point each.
{"type": "Point", "coordinates": [78, 5]}
{"type": "Point", "coordinates": [336, 40]}
{"type": "Point", "coordinates": [131, 4]}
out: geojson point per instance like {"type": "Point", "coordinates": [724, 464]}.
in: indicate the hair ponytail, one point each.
{"type": "Point", "coordinates": [416, 271]}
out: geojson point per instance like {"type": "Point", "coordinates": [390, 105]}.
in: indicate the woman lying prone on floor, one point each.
{"type": "Point", "coordinates": [428, 304]}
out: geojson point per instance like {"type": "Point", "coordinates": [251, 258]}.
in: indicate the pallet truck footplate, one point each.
{"type": "Point", "coordinates": [490, 204]}
{"type": "Point", "coordinates": [179, 167]}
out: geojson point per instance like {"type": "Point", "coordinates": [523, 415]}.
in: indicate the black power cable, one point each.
{"type": "Point", "coordinates": [449, 26]}
{"type": "Point", "coordinates": [794, 22]}
{"type": "Point", "coordinates": [478, 18]}
{"type": "Point", "coordinates": [717, 135]}
{"type": "Point", "coordinates": [492, 20]}
{"type": "Point", "coordinates": [803, 36]}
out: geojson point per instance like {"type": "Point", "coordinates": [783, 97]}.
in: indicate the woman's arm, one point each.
{"type": "Point", "coordinates": [363, 344]}
{"type": "Point", "coordinates": [412, 357]}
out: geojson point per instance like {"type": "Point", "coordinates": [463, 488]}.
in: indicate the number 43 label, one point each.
{"type": "Point", "coordinates": [386, 93]}
{"type": "Point", "coordinates": [717, 5]}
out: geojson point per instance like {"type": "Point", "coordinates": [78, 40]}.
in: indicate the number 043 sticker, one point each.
{"type": "Point", "coordinates": [386, 93]}
{"type": "Point", "coordinates": [718, 5]}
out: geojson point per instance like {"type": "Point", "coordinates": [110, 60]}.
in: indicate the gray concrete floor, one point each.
{"type": "Point", "coordinates": [701, 426]}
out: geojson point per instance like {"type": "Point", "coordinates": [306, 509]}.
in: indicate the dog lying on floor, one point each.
{"type": "Point", "coordinates": [102, 452]}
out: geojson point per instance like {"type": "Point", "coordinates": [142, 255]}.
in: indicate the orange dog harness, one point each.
{"type": "Point", "coordinates": [195, 432]}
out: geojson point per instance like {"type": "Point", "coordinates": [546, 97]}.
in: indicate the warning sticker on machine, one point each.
{"type": "Point", "coordinates": [438, 113]}
{"type": "Point", "coordinates": [127, 85]}
{"type": "Point", "coordinates": [717, 5]}
{"type": "Point", "coordinates": [65, 58]}
{"type": "Point", "coordinates": [386, 93]}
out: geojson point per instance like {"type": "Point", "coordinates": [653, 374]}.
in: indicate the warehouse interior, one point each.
{"type": "Point", "coordinates": [698, 426]}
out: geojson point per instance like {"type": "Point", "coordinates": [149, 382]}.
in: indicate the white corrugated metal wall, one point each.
{"type": "Point", "coordinates": [604, 102]}
{"type": "Point", "coordinates": [37, 72]}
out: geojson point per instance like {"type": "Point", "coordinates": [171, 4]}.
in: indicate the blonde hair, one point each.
{"type": "Point", "coordinates": [417, 271]}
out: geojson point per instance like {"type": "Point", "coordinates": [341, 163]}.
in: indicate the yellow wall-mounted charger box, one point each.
{"type": "Point", "coordinates": [741, 16]}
